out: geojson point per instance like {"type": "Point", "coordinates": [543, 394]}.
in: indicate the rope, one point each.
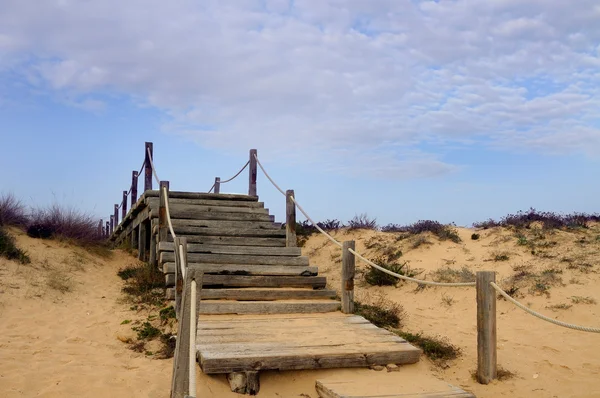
{"type": "Point", "coordinates": [408, 278]}
{"type": "Point", "coordinates": [270, 179]}
{"type": "Point", "coordinates": [544, 317]}
{"type": "Point", "coordinates": [372, 264]}
{"type": "Point", "coordinates": [143, 164]}
{"type": "Point", "coordinates": [211, 188]}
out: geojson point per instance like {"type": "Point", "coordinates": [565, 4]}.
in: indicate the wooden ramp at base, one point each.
{"type": "Point", "coordinates": [399, 389]}
{"type": "Point", "coordinates": [237, 343]}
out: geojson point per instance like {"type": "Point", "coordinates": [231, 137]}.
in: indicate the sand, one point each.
{"type": "Point", "coordinates": [63, 344]}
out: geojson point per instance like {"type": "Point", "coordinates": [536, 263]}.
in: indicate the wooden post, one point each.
{"type": "Point", "coordinates": [486, 327]}
{"type": "Point", "coordinates": [142, 240]}
{"type": "Point", "coordinates": [134, 183]}
{"type": "Point", "coordinates": [116, 215]}
{"type": "Point", "coordinates": [107, 230]}
{"type": "Point", "coordinates": [153, 255]}
{"type": "Point", "coordinates": [217, 184]}
{"type": "Point", "coordinates": [163, 224]}
{"type": "Point", "coordinates": [148, 166]}
{"type": "Point", "coordinates": [290, 219]}
{"type": "Point", "coordinates": [112, 223]}
{"type": "Point", "coordinates": [133, 239]}
{"type": "Point", "coordinates": [181, 363]}
{"type": "Point", "coordinates": [100, 229]}
{"type": "Point", "coordinates": [124, 206]}
{"type": "Point", "coordinates": [252, 173]}
{"type": "Point", "coordinates": [348, 266]}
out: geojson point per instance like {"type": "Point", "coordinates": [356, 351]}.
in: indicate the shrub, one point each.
{"type": "Point", "coordinates": [12, 211]}
{"type": "Point", "coordinates": [147, 331]}
{"type": "Point", "coordinates": [9, 249]}
{"type": "Point", "coordinates": [330, 225]}
{"type": "Point", "coordinates": [379, 315]}
{"type": "Point", "coordinates": [474, 236]}
{"type": "Point", "coordinates": [435, 348]}
{"type": "Point", "coordinates": [443, 232]}
{"type": "Point", "coordinates": [144, 283]}
{"type": "Point", "coordinates": [57, 221]}
{"type": "Point", "coordinates": [380, 278]}
{"type": "Point", "coordinates": [449, 275]}
{"type": "Point", "coordinates": [548, 219]}
{"type": "Point", "coordinates": [362, 221]}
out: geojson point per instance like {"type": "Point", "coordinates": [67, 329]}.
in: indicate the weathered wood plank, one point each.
{"type": "Point", "coordinates": [152, 201]}
{"type": "Point", "coordinates": [268, 307]}
{"type": "Point", "coordinates": [315, 282]}
{"type": "Point", "coordinates": [249, 250]}
{"type": "Point", "coordinates": [200, 195]}
{"type": "Point", "coordinates": [184, 205]}
{"type": "Point", "coordinates": [190, 213]}
{"type": "Point", "coordinates": [179, 222]}
{"type": "Point", "coordinates": [234, 241]}
{"type": "Point", "coordinates": [266, 294]}
{"type": "Point", "coordinates": [241, 269]}
{"type": "Point", "coordinates": [358, 389]}
{"type": "Point", "coordinates": [225, 231]}
{"type": "Point", "coordinates": [166, 257]}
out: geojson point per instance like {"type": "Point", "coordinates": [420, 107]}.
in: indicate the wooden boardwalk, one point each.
{"type": "Point", "coordinates": [263, 305]}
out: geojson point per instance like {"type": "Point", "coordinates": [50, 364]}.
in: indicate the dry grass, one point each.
{"type": "Point", "coordinates": [12, 211]}
{"type": "Point", "coordinates": [60, 281]}
{"type": "Point", "coordinates": [449, 275]}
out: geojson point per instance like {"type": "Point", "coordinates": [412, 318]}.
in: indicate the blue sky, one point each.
{"type": "Point", "coordinates": [452, 110]}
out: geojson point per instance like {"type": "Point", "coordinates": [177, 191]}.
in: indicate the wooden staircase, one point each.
{"type": "Point", "coordinates": [241, 250]}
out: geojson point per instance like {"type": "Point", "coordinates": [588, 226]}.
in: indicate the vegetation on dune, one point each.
{"type": "Point", "coordinates": [383, 313]}
{"type": "Point", "coordinates": [143, 283]}
{"type": "Point", "coordinates": [12, 211]}
{"type": "Point", "coordinates": [548, 220]}
{"type": "Point", "coordinates": [443, 232]}
{"type": "Point", "coordinates": [376, 277]}
{"type": "Point", "coordinates": [450, 275]}
{"type": "Point", "coordinates": [9, 249]}
{"type": "Point", "coordinates": [436, 348]}
{"type": "Point", "coordinates": [362, 221]}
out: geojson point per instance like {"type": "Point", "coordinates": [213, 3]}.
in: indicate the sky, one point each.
{"type": "Point", "coordinates": [451, 110]}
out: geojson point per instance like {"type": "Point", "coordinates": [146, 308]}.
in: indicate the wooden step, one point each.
{"type": "Point", "coordinates": [237, 343]}
{"type": "Point", "coordinates": [154, 201]}
{"type": "Point", "coordinates": [242, 269]}
{"type": "Point", "coordinates": [166, 257]}
{"type": "Point", "coordinates": [183, 212]}
{"type": "Point", "coordinates": [225, 231]}
{"type": "Point", "coordinates": [316, 282]}
{"type": "Point", "coordinates": [265, 294]}
{"type": "Point", "coordinates": [184, 207]}
{"type": "Point", "coordinates": [206, 196]}
{"type": "Point", "coordinates": [232, 240]}
{"type": "Point", "coordinates": [268, 307]}
{"type": "Point", "coordinates": [249, 250]}
{"type": "Point", "coordinates": [367, 387]}
{"type": "Point", "coordinates": [225, 224]}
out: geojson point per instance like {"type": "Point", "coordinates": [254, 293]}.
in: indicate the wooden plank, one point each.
{"type": "Point", "coordinates": [241, 269]}
{"type": "Point", "coordinates": [348, 265]}
{"type": "Point", "coordinates": [266, 294]}
{"type": "Point", "coordinates": [191, 213]}
{"type": "Point", "coordinates": [208, 249]}
{"type": "Point", "coordinates": [165, 257]}
{"type": "Point", "coordinates": [206, 196]}
{"type": "Point", "coordinates": [178, 207]}
{"type": "Point", "coordinates": [268, 307]}
{"type": "Point", "coordinates": [315, 282]}
{"type": "Point", "coordinates": [153, 202]}
{"type": "Point", "coordinates": [234, 241]}
{"type": "Point", "coordinates": [399, 389]}
{"type": "Point", "coordinates": [178, 222]}
{"type": "Point", "coordinates": [225, 231]}
{"type": "Point", "coordinates": [486, 327]}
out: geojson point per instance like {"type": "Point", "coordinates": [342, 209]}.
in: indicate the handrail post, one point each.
{"type": "Point", "coordinates": [486, 327]}
{"type": "Point", "coordinates": [163, 224]}
{"type": "Point", "coordinates": [116, 215]}
{"type": "Point", "coordinates": [178, 278]}
{"type": "Point", "coordinates": [100, 230]}
{"type": "Point", "coordinates": [252, 173]}
{"type": "Point", "coordinates": [148, 166]}
{"type": "Point", "coordinates": [348, 269]}
{"type": "Point", "coordinates": [107, 230]}
{"type": "Point", "coordinates": [124, 206]}
{"type": "Point", "coordinates": [134, 184]}
{"type": "Point", "coordinates": [217, 185]}
{"type": "Point", "coordinates": [112, 224]}
{"type": "Point", "coordinates": [290, 219]}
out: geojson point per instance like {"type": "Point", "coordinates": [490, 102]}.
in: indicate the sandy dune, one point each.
{"type": "Point", "coordinates": [58, 344]}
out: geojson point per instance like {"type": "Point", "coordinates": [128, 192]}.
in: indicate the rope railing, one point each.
{"type": "Point", "coordinates": [541, 316]}
{"type": "Point", "coordinates": [370, 263]}
{"type": "Point", "coordinates": [230, 179]}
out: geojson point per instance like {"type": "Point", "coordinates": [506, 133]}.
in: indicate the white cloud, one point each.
{"type": "Point", "coordinates": [329, 79]}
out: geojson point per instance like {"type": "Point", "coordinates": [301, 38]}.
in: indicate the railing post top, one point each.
{"type": "Point", "coordinates": [253, 152]}
{"type": "Point", "coordinates": [164, 184]}
{"type": "Point", "coordinates": [148, 144]}
{"type": "Point", "coordinates": [116, 206]}
{"type": "Point", "coordinates": [289, 192]}
{"type": "Point", "coordinates": [134, 173]}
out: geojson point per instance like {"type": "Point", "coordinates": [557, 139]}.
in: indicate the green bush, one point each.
{"type": "Point", "coordinates": [380, 278]}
